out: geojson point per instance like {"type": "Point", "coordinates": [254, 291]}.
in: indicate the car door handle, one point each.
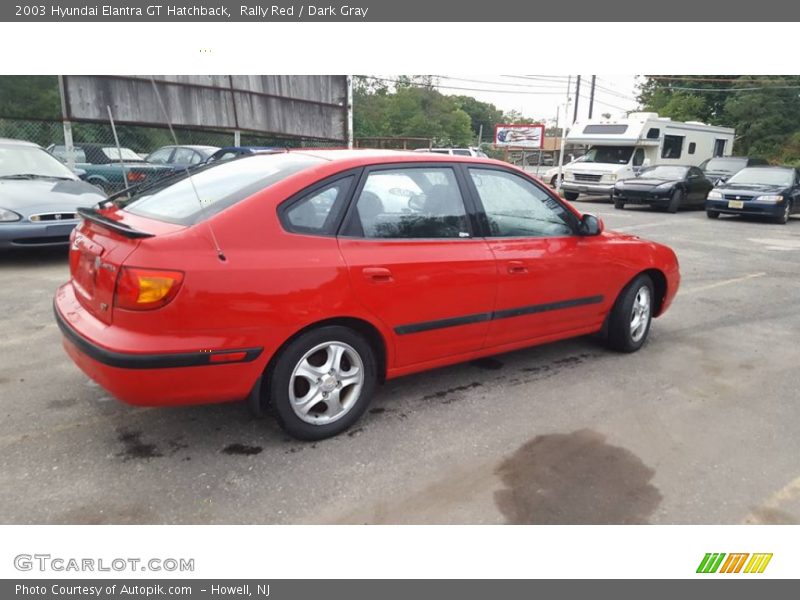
{"type": "Point", "coordinates": [377, 274]}
{"type": "Point", "coordinates": [517, 266]}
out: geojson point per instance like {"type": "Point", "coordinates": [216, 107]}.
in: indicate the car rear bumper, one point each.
{"type": "Point", "coordinates": [25, 234]}
{"type": "Point", "coordinates": [749, 207]}
{"type": "Point", "coordinates": [594, 189]}
{"type": "Point", "coordinates": [149, 377]}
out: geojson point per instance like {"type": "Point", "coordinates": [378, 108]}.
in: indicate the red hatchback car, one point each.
{"type": "Point", "coordinates": [299, 280]}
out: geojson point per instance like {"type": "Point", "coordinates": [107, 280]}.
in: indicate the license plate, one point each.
{"type": "Point", "coordinates": [735, 204]}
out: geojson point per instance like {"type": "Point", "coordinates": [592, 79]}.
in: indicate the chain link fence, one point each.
{"type": "Point", "coordinates": [144, 140]}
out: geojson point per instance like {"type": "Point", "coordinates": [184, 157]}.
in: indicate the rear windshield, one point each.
{"type": "Point", "coordinates": [726, 165]}
{"type": "Point", "coordinates": [216, 187]}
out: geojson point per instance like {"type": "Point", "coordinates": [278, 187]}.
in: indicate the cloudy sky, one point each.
{"type": "Point", "coordinates": [539, 96]}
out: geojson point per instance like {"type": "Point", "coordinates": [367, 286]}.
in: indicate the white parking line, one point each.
{"type": "Point", "coordinates": [642, 226]}
{"type": "Point", "coordinates": [711, 286]}
{"type": "Point", "coordinates": [788, 493]}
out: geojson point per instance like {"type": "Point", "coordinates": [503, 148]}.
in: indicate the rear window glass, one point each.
{"type": "Point", "coordinates": [214, 188]}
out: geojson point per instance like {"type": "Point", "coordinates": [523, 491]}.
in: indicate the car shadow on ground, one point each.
{"type": "Point", "coordinates": [33, 257]}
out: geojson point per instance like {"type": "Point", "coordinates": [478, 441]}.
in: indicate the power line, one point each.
{"type": "Point", "coordinates": [451, 87]}
{"type": "Point", "coordinates": [523, 85]}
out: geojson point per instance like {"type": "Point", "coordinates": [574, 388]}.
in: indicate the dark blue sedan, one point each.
{"type": "Point", "coordinates": [772, 192]}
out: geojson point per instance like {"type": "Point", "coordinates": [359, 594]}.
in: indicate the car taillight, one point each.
{"type": "Point", "coordinates": [145, 289]}
{"type": "Point", "coordinates": [136, 176]}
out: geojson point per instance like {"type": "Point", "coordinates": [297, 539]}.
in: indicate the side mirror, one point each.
{"type": "Point", "coordinates": [591, 225]}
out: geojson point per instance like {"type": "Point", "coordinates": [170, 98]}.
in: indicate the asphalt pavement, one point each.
{"type": "Point", "coordinates": [699, 427]}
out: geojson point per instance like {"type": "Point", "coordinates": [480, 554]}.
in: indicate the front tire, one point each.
{"type": "Point", "coordinates": [712, 214]}
{"type": "Point", "coordinates": [630, 319]}
{"type": "Point", "coordinates": [620, 204]}
{"type": "Point", "coordinates": [571, 196]}
{"type": "Point", "coordinates": [675, 201]}
{"type": "Point", "coordinates": [322, 382]}
{"type": "Point", "coordinates": [784, 218]}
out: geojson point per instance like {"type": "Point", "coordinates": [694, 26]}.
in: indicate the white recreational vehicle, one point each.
{"type": "Point", "coordinates": [618, 149]}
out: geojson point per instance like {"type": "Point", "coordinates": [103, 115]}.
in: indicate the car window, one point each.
{"type": "Point", "coordinates": [160, 156]}
{"type": "Point", "coordinates": [60, 152]}
{"type": "Point", "coordinates": [515, 207]}
{"type": "Point", "coordinates": [185, 156]}
{"type": "Point", "coordinates": [410, 203]}
{"type": "Point", "coordinates": [462, 153]}
{"type": "Point", "coordinates": [318, 212]}
{"type": "Point", "coordinates": [192, 199]}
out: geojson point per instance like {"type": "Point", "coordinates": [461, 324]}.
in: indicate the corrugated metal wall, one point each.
{"type": "Point", "coordinates": [287, 105]}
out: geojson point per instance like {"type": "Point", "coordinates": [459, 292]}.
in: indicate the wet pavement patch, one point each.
{"type": "Point", "coordinates": [575, 478]}
{"type": "Point", "coordinates": [490, 364]}
{"type": "Point", "coordinates": [452, 390]}
{"type": "Point", "coordinates": [242, 450]}
{"type": "Point", "coordinates": [135, 448]}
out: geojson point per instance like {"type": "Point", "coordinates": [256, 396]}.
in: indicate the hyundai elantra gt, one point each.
{"type": "Point", "coordinates": [300, 280]}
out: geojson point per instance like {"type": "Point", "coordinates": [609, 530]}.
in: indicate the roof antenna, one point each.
{"type": "Point", "coordinates": [220, 254]}
{"type": "Point", "coordinates": [119, 148]}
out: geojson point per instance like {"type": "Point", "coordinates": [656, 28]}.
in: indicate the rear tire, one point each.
{"type": "Point", "coordinates": [620, 204]}
{"type": "Point", "coordinates": [675, 201]}
{"type": "Point", "coordinates": [322, 382]}
{"type": "Point", "coordinates": [712, 214]}
{"type": "Point", "coordinates": [571, 196]}
{"type": "Point", "coordinates": [630, 319]}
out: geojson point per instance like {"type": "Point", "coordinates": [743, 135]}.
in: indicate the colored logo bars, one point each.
{"type": "Point", "coordinates": [733, 563]}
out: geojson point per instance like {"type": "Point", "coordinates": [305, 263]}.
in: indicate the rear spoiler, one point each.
{"type": "Point", "coordinates": [90, 214]}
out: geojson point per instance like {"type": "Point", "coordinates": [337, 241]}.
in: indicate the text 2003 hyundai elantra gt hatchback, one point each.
{"type": "Point", "coordinates": [299, 280]}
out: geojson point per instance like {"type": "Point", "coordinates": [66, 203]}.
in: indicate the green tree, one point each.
{"type": "Point", "coordinates": [29, 97]}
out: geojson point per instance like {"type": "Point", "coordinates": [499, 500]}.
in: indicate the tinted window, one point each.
{"type": "Point", "coordinates": [186, 156]}
{"type": "Point", "coordinates": [653, 133]}
{"type": "Point", "coordinates": [726, 165]}
{"type": "Point", "coordinates": [638, 157]}
{"type": "Point", "coordinates": [160, 156]}
{"type": "Point", "coordinates": [462, 153]}
{"type": "Point", "coordinates": [411, 203]}
{"type": "Point", "coordinates": [214, 188]}
{"type": "Point", "coordinates": [692, 147]}
{"type": "Point", "coordinates": [673, 146]}
{"type": "Point", "coordinates": [515, 207]}
{"type": "Point", "coordinates": [616, 155]}
{"type": "Point", "coordinates": [318, 211]}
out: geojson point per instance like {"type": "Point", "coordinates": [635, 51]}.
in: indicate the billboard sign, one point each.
{"type": "Point", "coordinates": [519, 136]}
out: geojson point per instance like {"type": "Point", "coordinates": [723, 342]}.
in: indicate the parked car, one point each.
{"type": "Point", "coordinates": [720, 168]}
{"type": "Point", "coordinates": [39, 196]}
{"type": "Point", "coordinates": [551, 175]}
{"type": "Point", "coordinates": [476, 152]}
{"type": "Point", "coordinates": [664, 186]}
{"type": "Point", "coordinates": [181, 157]}
{"type": "Point", "coordinates": [303, 279]}
{"type": "Point", "coordinates": [758, 191]}
{"type": "Point", "coordinates": [102, 166]}
{"type": "Point", "coordinates": [230, 152]}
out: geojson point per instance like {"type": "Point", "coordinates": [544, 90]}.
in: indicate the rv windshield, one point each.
{"type": "Point", "coordinates": [615, 155]}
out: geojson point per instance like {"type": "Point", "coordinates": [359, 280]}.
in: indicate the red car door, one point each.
{"type": "Point", "coordinates": [415, 264]}
{"type": "Point", "coordinates": [551, 281]}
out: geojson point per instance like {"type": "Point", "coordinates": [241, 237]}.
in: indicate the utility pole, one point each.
{"type": "Point", "coordinates": [591, 97]}
{"type": "Point", "coordinates": [577, 97]}
{"type": "Point", "coordinates": [350, 111]}
{"type": "Point", "coordinates": [70, 149]}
